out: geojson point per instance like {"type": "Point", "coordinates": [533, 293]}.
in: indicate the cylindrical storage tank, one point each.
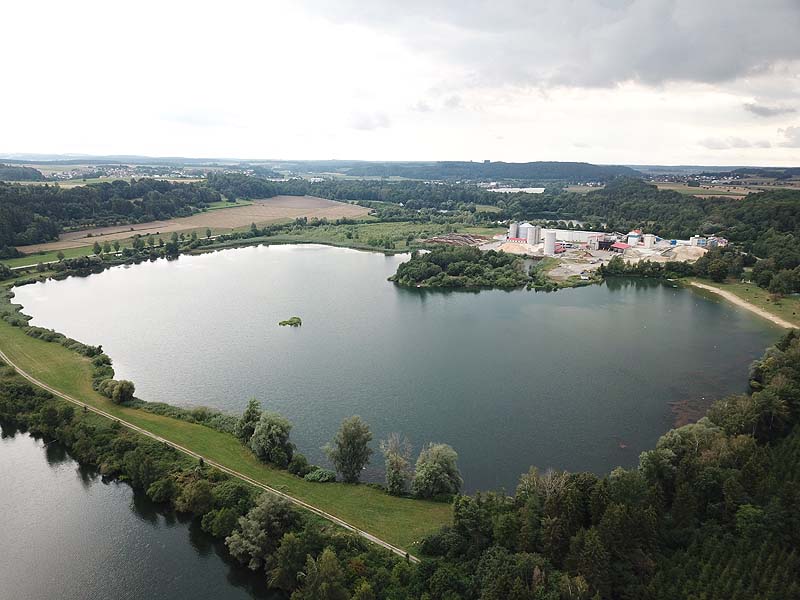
{"type": "Point", "coordinates": [537, 232]}
{"type": "Point", "coordinates": [532, 236]}
{"type": "Point", "coordinates": [633, 239]}
{"type": "Point", "coordinates": [513, 230]}
{"type": "Point", "coordinates": [549, 242]}
{"type": "Point", "coordinates": [649, 240]}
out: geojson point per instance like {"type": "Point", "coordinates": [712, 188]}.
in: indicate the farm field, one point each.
{"type": "Point", "coordinates": [258, 211]}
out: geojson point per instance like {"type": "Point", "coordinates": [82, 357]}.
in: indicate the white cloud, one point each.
{"type": "Point", "coordinates": [369, 121]}
{"type": "Point", "coordinates": [608, 81]}
{"type": "Point", "coordinates": [791, 137]}
{"type": "Point", "coordinates": [732, 142]}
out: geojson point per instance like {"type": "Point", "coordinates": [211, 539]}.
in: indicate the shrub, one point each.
{"type": "Point", "coordinates": [320, 475]}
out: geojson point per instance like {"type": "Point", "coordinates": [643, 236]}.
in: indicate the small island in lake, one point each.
{"type": "Point", "coordinates": [461, 266]}
{"type": "Point", "coordinates": [291, 322]}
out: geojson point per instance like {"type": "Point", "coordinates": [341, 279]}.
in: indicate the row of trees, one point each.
{"type": "Point", "coordinates": [436, 474]}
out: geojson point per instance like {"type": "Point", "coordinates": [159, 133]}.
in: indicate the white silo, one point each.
{"type": "Point", "coordinates": [633, 238]}
{"type": "Point", "coordinates": [522, 230]}
{"type": "Point", "coordinates": [537, 233]}
{"type": "Point", "coordinates": [550, 242]}
{"type": "Point", "coordinates": [513, 230]}
{"type": "Point", "coordinates": [531, 236]}
{"type": "Point", "coordinates": [649, 240]}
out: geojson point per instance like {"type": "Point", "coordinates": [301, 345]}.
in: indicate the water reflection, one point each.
{"type": "Point", "coordinates": [96, 538]}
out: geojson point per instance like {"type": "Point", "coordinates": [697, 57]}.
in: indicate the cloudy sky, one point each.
{"type": "Point", "coordinates": [713, 82]}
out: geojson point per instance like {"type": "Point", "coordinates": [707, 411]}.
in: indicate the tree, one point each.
{"type": "Point", "coordinates": [196, 497]}
{"type": "Point", "coordinates": [245, 426]}
{"type": "Point", "coordinates": [60, 255]}
{"type": "Point", "coordinates": [116, 245]}
{"type": "Point", "coordinates": [323, 579]}
{"type": "Point", "coordinates": [437, 472]}
{"type": "Point", "coordinates": [261, 530]}
{"type": "Point", "coordinates": [782, 283]}
{"type": "Point", "coordinates": [141, 468]}
{"type": "Point", "coordinates": [123, 392]}
{"type": "Point", "coordinates": [208, 233]}
{"type": "Point", "coordinates": [106, 247]}
{"type": "Point", "coordinates": [364, 591]}
{"type": "Point", "coordinates": [397, 452]}
{"type": "Point", "coordinates": [717, 270]}
{"type": "Point", "coordinates": [270, 439]}
{"type": "Point", "coordinates": [289, 560]}
{"type": "Point", "coordinates": [349, 451]}
{"type": "Point", "coordinates": [96, 248]}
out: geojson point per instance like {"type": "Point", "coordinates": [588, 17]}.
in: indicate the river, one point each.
{"type": "Point", "coordinates": [581, 379]}
{"type": "Point", "coordinates": [68, 533]}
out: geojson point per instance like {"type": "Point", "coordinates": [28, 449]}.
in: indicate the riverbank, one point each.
{"type": "Point", "coordinates": [401, 522]}
{"type": "Point", "coordinates": [734, 293]}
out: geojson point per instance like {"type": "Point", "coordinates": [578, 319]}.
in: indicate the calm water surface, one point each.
{"type": "Point", "coordinates": [66, 533]}
{"type": "Point", "coordinates": [580, 379]}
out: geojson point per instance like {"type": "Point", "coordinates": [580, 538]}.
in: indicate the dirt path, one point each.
{"type": "Point", "coordinates": [271, 490]}
{"type": "Point", "coordinates": [733, 298]}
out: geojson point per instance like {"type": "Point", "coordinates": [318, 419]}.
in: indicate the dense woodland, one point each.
{"type": "Point", "coordinates": [461, 266]}
{"type": "Point", "coordinates": [19, 173]}
{"type": "Point", "coordinates": [31, 214]}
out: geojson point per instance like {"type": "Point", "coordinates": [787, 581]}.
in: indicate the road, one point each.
{"type": "Point", "coordinates": [243, 477]}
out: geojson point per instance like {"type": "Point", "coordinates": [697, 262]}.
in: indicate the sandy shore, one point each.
{"type": "Point", "coordinates": [733, 298]}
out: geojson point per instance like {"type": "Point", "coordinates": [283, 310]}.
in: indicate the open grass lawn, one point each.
{"type": "Point", "coordinates": [787, 308]}
{"type": "Point", "coordinates": [400, 521]}
{"type": "Point", "coordinates": [35, 259]}
{"type": "Point", "coordinates": [487, 231]}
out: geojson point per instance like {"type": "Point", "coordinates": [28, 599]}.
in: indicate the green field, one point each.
{"type": "Point", "coordinates": [400, 521]}
{"type": "Point", "coordinates": [35, 259]}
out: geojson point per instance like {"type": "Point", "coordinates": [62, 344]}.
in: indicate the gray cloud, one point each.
{"type": "Point", "coordinates": [732, 142]}
{"type": "Point", "coordinates": [591, 43]}
{"type": "Point", "coordinates": [452, 102]}
{"type": "Point", "coordinates": [763, 110]}
{"type": "Point", "coordinates": [791, 137]}
{"type": "Point", "coordinates": [366, 121]}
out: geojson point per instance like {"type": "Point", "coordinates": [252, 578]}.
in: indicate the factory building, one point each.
{"type": "Point", "coordinates": [522, 230]}
{"type": "Point", "coordinates": [550, 242]}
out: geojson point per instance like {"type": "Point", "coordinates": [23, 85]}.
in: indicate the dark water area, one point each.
{"type": "Point", "coordinates": [581, 379]}
{"type": "Point", "coordinates": [69, 533]}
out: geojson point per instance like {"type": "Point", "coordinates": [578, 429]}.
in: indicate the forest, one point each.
{"type": "Point", "coordinates": [461, 266]}
{"type": "Point", "coordinates": [19, 173]}
{"type": "Point", "coordinates": [31, 214]}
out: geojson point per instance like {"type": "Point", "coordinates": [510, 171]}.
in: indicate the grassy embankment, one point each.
{"type": "Point", "coordinates": [787, 308]}
{"type": "Point", "coordinates": [400, 521]}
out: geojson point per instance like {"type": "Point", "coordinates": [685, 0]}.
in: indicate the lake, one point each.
{"type": "Point", "coordinates": [67, 533]}
{"type": "Point", "coordinates": [580, 379]}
